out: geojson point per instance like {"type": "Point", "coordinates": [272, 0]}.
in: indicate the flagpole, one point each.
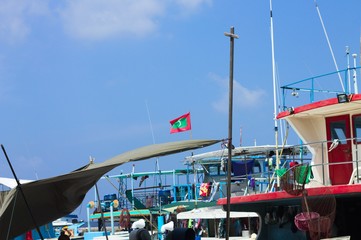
{"type": "Point", "coordinates": [231, 36]}
{"type": "Point", "coordinates": [194, 175]}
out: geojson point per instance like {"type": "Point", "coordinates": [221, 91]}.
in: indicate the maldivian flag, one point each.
{"type": "Point", "coordinates": [181, 124]}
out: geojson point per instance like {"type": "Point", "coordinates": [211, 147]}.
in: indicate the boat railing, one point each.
{"type": "Point", "coordinates": [264, 179]}
{"type": "Point", "coordinates": [320, 164]}
{"type": "Point", "coordinates": [313, 85]}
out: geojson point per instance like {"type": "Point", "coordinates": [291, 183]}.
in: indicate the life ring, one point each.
{"type": "Point", "coordinates": [124, 219]}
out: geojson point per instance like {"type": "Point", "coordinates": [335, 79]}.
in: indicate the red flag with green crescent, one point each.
{"type": "Point", "coordinates": [181, 124]}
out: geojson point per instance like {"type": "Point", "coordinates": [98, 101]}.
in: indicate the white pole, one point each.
{"type": "Point", "coordinates": [132, 185]}
{"type": "Point", "coordinates": [354, 73]}
{"type": "Point", "coordinates": [97, 204]}
{"type": "Point", "coordinates": [88, 216]}
{"type": "Point", "coordinates": [112, 217]}
{"type": "Point", "coordinates": [274, 93]}
{"type": "Point", "coordinates": [348, 68]}
{"type": "Point", "coordinates": [174, 190]}
{"type": "Point", "coordinates": [195, 184]}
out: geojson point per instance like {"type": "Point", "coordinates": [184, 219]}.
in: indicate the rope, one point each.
{"type": "Point", "coordinates": [283, 146]}
{"type": "Point", "coordinates": [152, 225]}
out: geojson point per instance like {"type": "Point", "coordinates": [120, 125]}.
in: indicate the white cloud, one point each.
{"type": "Point", "coordinates": [14, 18]}
{"type": "Point", "coordinates": [192, 5]}
{"type": "Point", "coordinates": [92, 19]}
{"type": "Point", "coordinates": [99, 19]}
{"type": "Point", "coordinates": [242, 96]}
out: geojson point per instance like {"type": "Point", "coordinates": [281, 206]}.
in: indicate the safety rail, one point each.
{"type": "Point", "coordinates": [309, 85]}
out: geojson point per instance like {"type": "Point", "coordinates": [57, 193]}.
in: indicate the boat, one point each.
{"type": "Point", "coordinates": [317, 199]}
{"type": "Point", "coordinates": [192, 190]}
{"type": "Point", "coordinates": [282, 198]}
{"type": "Point", "coordinates": [321, 198]}
{"type": "Point", "coordinates": [70, 222]}
{"type": "Point", "coordinates": [211, 220]}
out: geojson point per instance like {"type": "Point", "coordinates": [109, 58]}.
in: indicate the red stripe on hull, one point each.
{"type": "Point", "coordinates": [282, 195]}
{"type": "Point", "coordinates": [315, 105]}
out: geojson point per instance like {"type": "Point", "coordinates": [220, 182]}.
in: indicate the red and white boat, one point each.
{"type": "Point", "coordinates": [328, 203]}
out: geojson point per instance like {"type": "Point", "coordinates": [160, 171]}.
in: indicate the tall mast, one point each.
{"type": "Point", "coordinates": [274, 91]}
{"type": "Point", "coordinates": [348, 69]}
{"type": "Point", "coordinates": [231, 36]}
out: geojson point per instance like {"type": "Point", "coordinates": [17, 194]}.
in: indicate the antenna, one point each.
{"type": "Point", "coordinates": [348, 68]}
{"type": "Point", "coordinates": [329, 45]}
{"type": "Point", "coordinates": [354, 76]}
{"type": "Point", "coordinates": [151, 129]}
{"type": "Point", "coordinates": [150, 122]}
{"type": "Point", "coordinates": [240, 136]}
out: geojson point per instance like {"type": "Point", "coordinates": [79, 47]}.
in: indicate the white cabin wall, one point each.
{"type": "Point", "coordinates": [309, 130]}
{"type": "Point", "coordinates": [312, 132]}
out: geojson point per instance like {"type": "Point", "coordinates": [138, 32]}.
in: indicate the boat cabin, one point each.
{"type": "Point", "coordinates": [332, 130]}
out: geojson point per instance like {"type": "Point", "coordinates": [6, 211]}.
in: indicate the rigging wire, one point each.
{"type": "Point", "coordinates": [135, 208]}
{"type": "Point", "coordinates": [157, 169]}
{"type": "Point", "coordinates": [282, 125]}
{"type": "Point", "coordinates": [329, 45]}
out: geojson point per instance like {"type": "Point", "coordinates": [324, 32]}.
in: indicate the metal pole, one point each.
{"type": "Point", "coordinates": [231, 36]}
{"type": "Point", "coordinates": [112, 217]}
{"type": "Point", "coordinates": [354, 76]}
{"type": "Point", "coordinates": [88, 216]}
{"type": "Point", "coordinates": [274, 97]}
{"type": "Point", "coordinates": [132, 185]}
{"type": "Point", "coordinates": [101, 213]}
{"type": "Point", "coordinates": [22, 193]}
{"type": "Point", "coordinates": [348, 88]}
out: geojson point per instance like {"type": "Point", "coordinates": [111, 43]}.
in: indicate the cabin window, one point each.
{"type": "Point", "coordinates": [214, 170]}
{"type": "Point", "coordinates": [357, 128]}
{"type": "Point", "coordinates": [338, 132]}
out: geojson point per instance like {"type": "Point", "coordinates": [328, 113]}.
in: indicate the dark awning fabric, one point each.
{"type": "Point", "coordinates": [242, 168]}
{"type": "Point", "coordinates": [52, 198]}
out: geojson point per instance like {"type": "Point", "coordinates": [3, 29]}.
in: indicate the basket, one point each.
{"type": "Point", "coordinates": [303, 219]}
{"type": "Point", "coordinates": [294, 179]}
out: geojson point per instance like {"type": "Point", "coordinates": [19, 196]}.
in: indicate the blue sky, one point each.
{"type": "Point", "coordinates": [95, 77]}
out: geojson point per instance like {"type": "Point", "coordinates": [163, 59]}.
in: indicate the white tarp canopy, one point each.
{"type": "Point", "coordinates": [215, 212]}
{"type": "Point", "coordinates": [11, 183]}
{"type": "Point", "coordinates": [241, 151]}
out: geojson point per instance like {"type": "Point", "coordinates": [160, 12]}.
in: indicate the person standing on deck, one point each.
{"type": "Point", "coordinates": [148, 202]}
{"type": "Point", "coordinates": [124, 220]}
{"type": "Point", "coordinates": [100, 221]}
{"type": "Point", "coordinates": [63, 236]}
{"type": "Point", "coordinates": [139, 232]}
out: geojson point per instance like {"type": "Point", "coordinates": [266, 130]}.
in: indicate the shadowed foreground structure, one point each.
{"type": "Point", "coordinates": [52, 198]}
